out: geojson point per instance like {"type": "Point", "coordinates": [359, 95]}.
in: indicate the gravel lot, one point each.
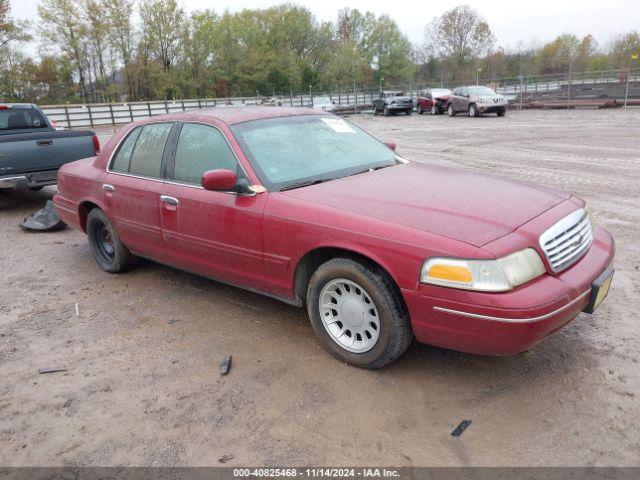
{"type": "Point", "coordinates": [142, 384]}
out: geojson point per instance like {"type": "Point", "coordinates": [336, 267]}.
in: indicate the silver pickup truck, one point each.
{"type": "Point", "coordinates": [32, 151]}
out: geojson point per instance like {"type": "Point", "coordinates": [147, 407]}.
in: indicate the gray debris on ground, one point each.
{"type": "Point", "coordinates": [44, 220]}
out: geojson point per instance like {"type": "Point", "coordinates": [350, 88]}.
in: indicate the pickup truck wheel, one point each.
{"type": "Point", "coordinates": [450, 111]}
{"type": "Point", "coordinates": [358, 314]}
{"type": "Point", "coordinates": [109, 251]}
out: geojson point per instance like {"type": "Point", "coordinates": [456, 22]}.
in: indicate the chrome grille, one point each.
{"type": "Point", "coordinates": [568, 240]}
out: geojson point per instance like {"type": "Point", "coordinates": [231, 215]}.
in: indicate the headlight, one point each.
{"type": "Point", "coordinates": [484, 275]}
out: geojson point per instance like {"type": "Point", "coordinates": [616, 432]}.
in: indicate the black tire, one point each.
{"type": "Point", "coordinates": [434, 110]}
{"type": "Point", "coordinates": [502, 113]}
{"type": "Point", "coordinates": [473, 110]}
{"type": "Point", "coordinates": [419, 109]}
{"type": "Point", "coordinates": [395, 329]}
{"type": "Point", "coordinates": [108, 250]}
{"type": "Point", "coordinates": [386, 112]}
{"type": "Point", "coordinates": [375, 109]}
{"type": "Point", "coordinates": [450, 111]}
{"type": "Point", "coordinates": [409, 112]}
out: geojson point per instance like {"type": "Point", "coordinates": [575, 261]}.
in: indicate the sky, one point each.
{"type": "Point", "coordinates": [529, 22]}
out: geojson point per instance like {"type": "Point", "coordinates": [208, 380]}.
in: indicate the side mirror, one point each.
{"type": "Point", "coordinates": [219, 180]}
{"type": "Point", "coordinates": [391, 145]}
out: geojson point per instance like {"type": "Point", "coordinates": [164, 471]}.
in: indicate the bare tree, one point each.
{"type": "Point", "coordinates": [10, 29]}
{"type": "Point", "coordinates": [461, 35]}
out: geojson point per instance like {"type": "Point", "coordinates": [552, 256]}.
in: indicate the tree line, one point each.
{"type": "Point", "coordinates": [127, 50]}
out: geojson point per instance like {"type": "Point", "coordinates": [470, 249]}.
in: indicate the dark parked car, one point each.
{"type": "Point", "coordinates": [433, 100]}
{"type": "Point", "coordinates": [392, 102]}
{"type": "Point", "coordinates": [308, 208]}
{"type": "Point", "coordinates": [32, 151]}
{"type": "Point", "coordinates": [476, 100]}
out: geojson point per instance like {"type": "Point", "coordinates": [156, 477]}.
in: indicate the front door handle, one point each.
{"type": "Point", "coordinates": [108, 188]}
{"type": "Point", "coordinates": [169, 200]}
{"type": "Point", "coordinates": [44, 142]}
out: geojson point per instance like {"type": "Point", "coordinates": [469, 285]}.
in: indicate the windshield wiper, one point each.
{"type": "Point", "coordinates": [373, 169]}
{"type": "Point", "coordinates": [305, 183]}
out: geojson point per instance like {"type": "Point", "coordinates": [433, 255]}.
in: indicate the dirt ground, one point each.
{"type": "Point", "coordinates": [142, 385]}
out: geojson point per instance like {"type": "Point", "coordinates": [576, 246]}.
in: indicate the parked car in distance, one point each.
{"type": "Point", "coordinates": [392, 102]}
{"type": "Point", "coordinates": [476, 100]}
{"type": "Point", "coordinates": [32, 150]}
{"type": "Point", "coordinates": [307, 208]}
{"type": "Point", "coordinates": [323, 103]}
{"type": "Point", "coordinates": [433, 100]}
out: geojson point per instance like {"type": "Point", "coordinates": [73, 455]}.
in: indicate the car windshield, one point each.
{"type": "Point", "coordinates": [436, 92]}
{"type": "Point", "coordinates": [481, 91]}
{"type": "Point", "coordinates": [21, 119]}
{"type": "Point", "coordinates": [293, 151]}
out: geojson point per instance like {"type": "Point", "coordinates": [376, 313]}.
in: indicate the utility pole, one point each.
{"type": "Point", "coordinates": [634, 56]}
{"type": "Point", "coordinates": [478, 70]}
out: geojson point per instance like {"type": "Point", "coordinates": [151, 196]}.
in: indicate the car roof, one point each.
{"type": "Point", "coordinates": [18, 105]}
{"type": "Point", "coordinates": [233, 115]}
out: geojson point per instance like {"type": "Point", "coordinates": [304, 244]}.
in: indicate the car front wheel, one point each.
{"type": "Point", "coordinates": [419, 109]}
{"type": "Point", "coordinates": [502, 113]}
{"type": "Point", "coordinates": [434, 110]}
{"type": "Point", "coordinates": [386, 111]}
{"type": "Point", "coordinates": [357, 313]}
{"type": "Point", "coordinates": [109, 251]}
{"type": "Point", "coordinates": [450, 111]}
{"type": "Point", "coordinates": [473, 110]}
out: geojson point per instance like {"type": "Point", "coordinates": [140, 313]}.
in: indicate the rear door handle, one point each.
{"type": "Point", "coordinates": [108, 188]}
{"type": "Point", "coordinates": [169, 200]}
{"type": "Point", "coordinates": [42, 143]}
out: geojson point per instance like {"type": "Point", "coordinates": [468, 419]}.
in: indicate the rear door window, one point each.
{"type": "Point", "coordinates": [142, 151]}
{"type": "Point", "coordinates": [122, 159]}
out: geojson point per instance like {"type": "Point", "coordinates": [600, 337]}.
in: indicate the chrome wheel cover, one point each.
{"type": "Point", "coordinates": [349, 315]}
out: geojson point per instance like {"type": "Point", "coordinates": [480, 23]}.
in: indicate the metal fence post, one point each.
{"type": "Point", "coordinates": [90, 116]}
{"type": "Point", "coordinates": [130, 111]}
{"type": "Point", "coordinates": [113, 119]}
{"type": "Point", "coordinates": [66, 113]}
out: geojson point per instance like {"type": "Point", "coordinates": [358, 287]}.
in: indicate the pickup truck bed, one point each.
{"type": "Point", "coordinates": [31, 151]}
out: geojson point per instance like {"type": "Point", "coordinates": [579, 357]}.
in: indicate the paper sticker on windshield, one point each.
{"type": "Point", "coordinates": [338, 125]}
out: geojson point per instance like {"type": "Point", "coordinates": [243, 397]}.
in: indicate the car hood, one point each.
{"type": "Point", "coordinates": [471, 207]}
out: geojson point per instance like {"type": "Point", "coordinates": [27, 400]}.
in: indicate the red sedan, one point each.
{"type": "Point", "coordinates": [305, 207]}
{"type": "Point", "coordinates": [433, 100]}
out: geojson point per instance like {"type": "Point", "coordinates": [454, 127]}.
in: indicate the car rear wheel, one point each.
{"type": "Point", "coordinates": [357, 313]}
{"type": "Point", "coordinates": [450, 111]}
{"type": "Point", "coordinates": [109, 251]}
{"type": "Point", "coordinates": [419, 109]}
{"type": "Point", "coordinates": [434, 110]}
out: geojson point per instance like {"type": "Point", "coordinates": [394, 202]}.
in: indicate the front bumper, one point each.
{"type": "Point", "coordinates": [399, 106]}
{"type": "Point", "coordinates": [29, 180]}
{"type": "Point", "coordinates": [491, 107]}
{"type": "Point", "coordinates": [510, 322]}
